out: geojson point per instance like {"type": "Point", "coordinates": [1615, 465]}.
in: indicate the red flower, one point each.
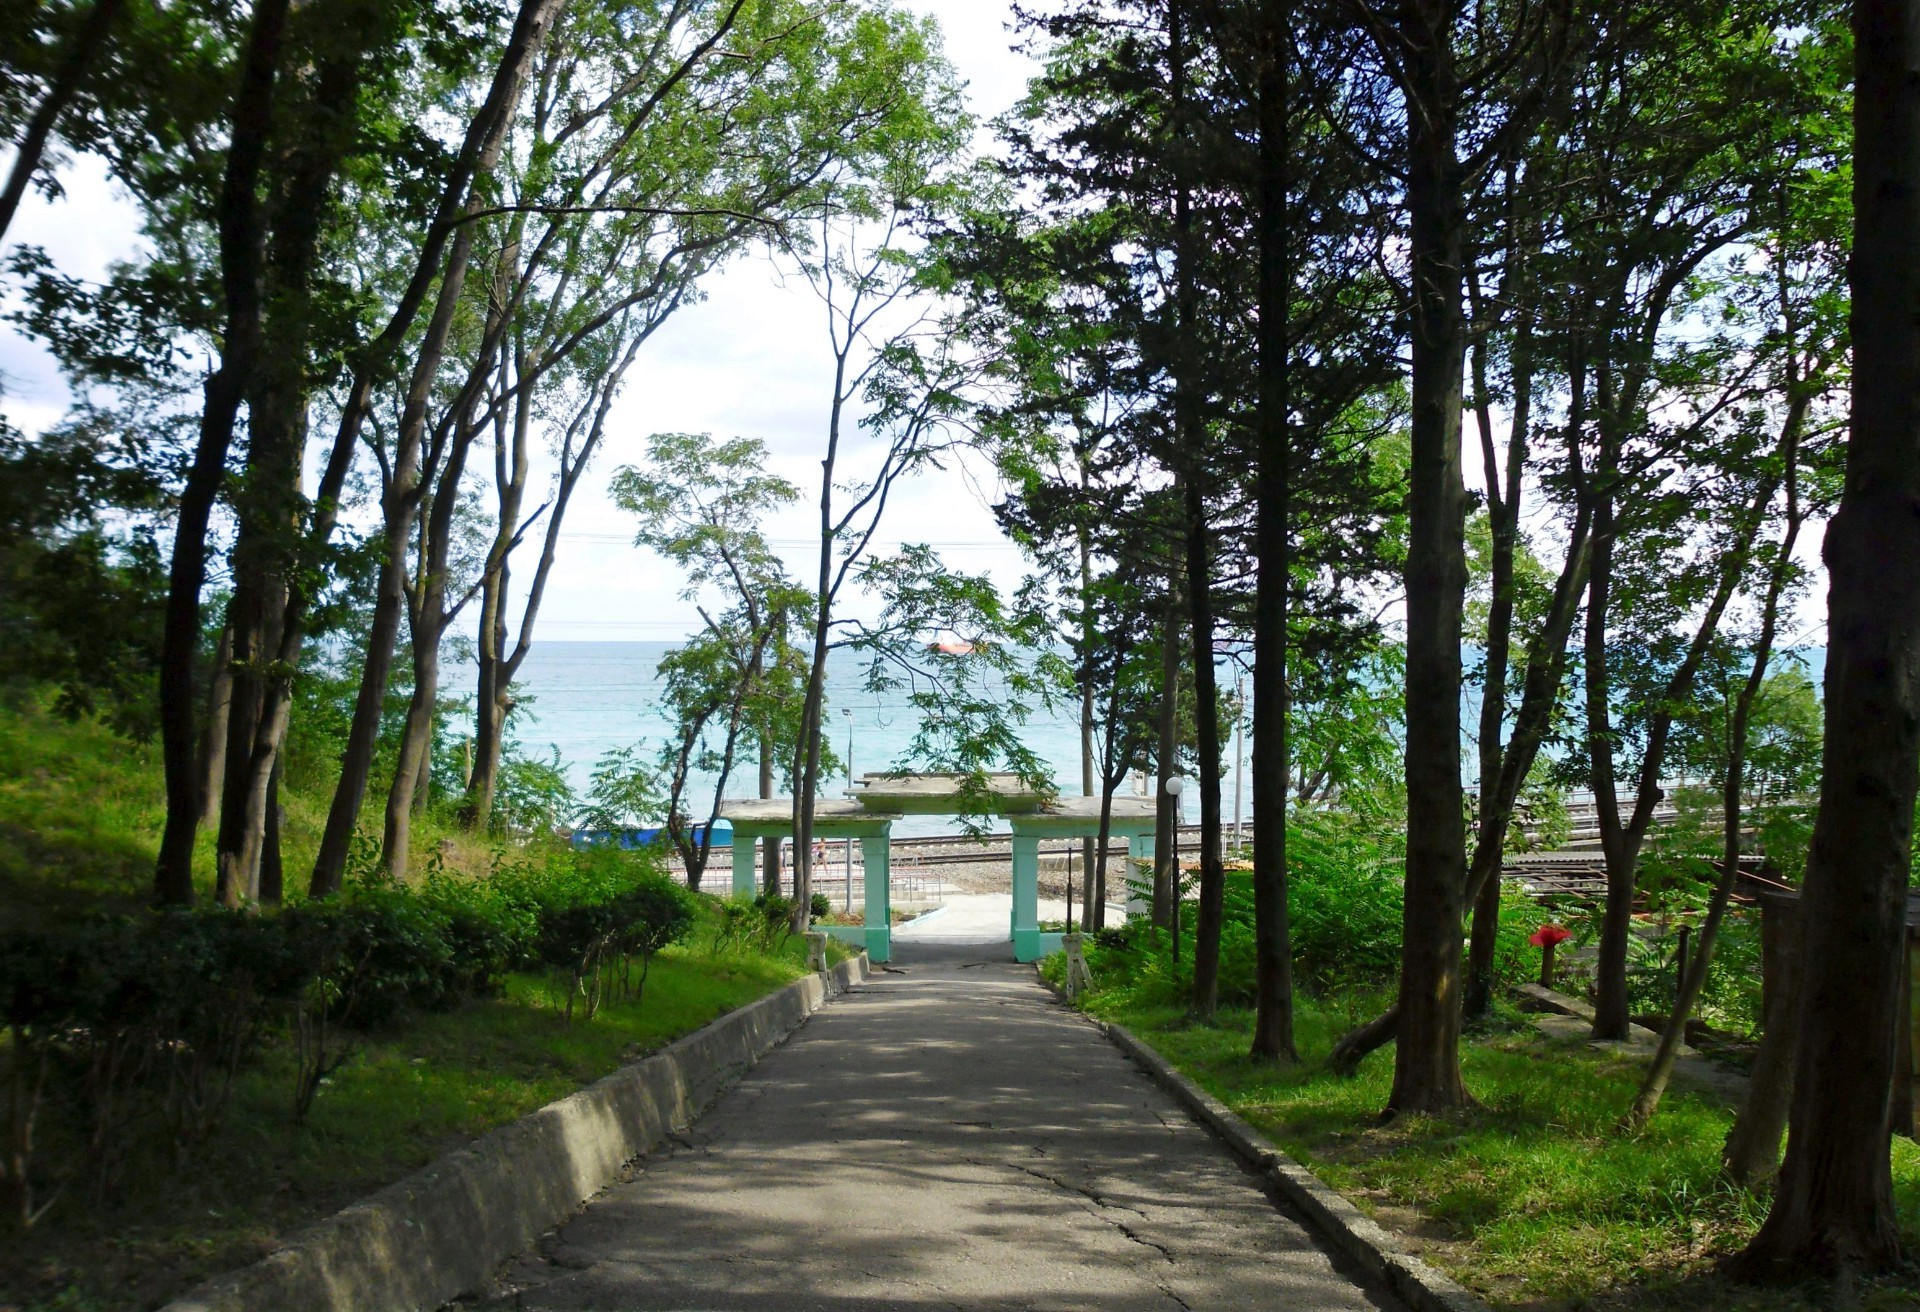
{"type": "Point", "coordinates": [1548, 935]}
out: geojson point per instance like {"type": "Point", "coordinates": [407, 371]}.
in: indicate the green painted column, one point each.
{"type": "Point", "coordinates": [877, 916]}
{"type": "Point", "coordinates": [744, 884]}
{"type": "Point", "coordinates": [1026, 896]}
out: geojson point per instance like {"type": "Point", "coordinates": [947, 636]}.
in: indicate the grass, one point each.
{"type": "Point", "coordinates": [80, 819]}
{"type": "Point", "coordinates": [406, 1097]}
{"type": "Point", "coordinates": [1533, 1199]}
{"type": "Point", "coordinates": [80, 814]}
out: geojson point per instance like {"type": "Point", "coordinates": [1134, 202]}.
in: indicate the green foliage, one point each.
{"type": "Point", "coordinates": [1344, 910]}
{"type": "Point", "coordinates": [533, 796]}
{"type": "Point", "coordinates": [765, 923]}
{"type": "Point", "coordinates": [81, 593]}
{"type": "Point", "coordinates": [143, 1021]}
{"type": "Point", "coordinates": [973, 668]}
{"type": "Point", "coordinates": [178, 1216]}
{"type": "Point", "coordinates": [621, 792]}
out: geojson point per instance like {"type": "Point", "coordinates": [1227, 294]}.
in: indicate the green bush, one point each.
{"type": "Point", "coordinates": [1344, 913]}
{"type": "Point", "coordinates": [132, 1026]}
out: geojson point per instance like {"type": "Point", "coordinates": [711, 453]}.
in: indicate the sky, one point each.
{"type": "Point", "coordinates": [751, 359]}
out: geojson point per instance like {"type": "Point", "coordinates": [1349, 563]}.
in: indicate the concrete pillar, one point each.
{"type": "Point", "coordinates": [875, 856]}
{"type": "Point", "coordinates": [744, 884]}
{"type": "Point", "coordinates": [1026, 897]}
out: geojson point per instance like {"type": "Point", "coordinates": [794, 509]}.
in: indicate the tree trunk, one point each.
{"type": "Point", "coordinates": [402, 495]}
{"type": "Point", "coordinates": [1833, 1209]}
{"type": "Point", "coordinates": [1622, 841]}
{"type": "Point", "coordinates": [213, 737]}
{"type": "Point", "coordinates": [1213, 875]}
{"type": "Point", "coordinates": [241, 238]}
{"type": "Point", "coordinates": [429, 617]}
{"type": "Point", "coordinates": [769, 846]}
{"type": "Point", "coordinates": [1272, 701]}
{"type": "Point", "coordinates": [32, 146]}
{"type": "Point", "coordinates": [272, 866]}
{"type": "Point", "coordinates": [1752, 1151]}
{"type": "Point", "coordinates": [268, 503]}
{"type": "Point", "coordinates": [492, 697]}
{"type": "Point", "coordinates": [1610, 1019]}
{"type": "Point", "coordinates": [1426, 1076]}
{"type": "Point", "coordinates": [253, 617]}
{"type": "Point", "coordinates": [1088, 634]}
{"type": "Point", "coordinates": [1503, 517]}
{"type": "Point", "coordinates": [1654, 1085]}
{"type": "Point", "coordinates": [1166, 808]}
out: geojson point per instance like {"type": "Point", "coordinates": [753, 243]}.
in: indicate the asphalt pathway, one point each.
{"type": "Point", "coordinates": [945, 1136]}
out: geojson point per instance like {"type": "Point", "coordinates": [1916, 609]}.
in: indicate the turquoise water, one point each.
{"type": "Point", "coordinates": [589, 697]}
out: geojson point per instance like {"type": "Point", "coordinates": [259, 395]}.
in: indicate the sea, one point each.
{"type": "Point", "coordinates": [586, 698]}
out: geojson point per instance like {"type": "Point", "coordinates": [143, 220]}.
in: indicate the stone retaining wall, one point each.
{"type": "Point", "coordinates": [443, 1230]}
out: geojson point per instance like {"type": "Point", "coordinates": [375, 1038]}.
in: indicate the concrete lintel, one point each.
{"type": "Point", "coordinates": [863, 825]}
{"type": "Point", "coordinates": [1070, 826]}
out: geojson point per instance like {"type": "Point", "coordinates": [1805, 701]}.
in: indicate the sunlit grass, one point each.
{"type": "Point", "coordinates": [1533, 1199]}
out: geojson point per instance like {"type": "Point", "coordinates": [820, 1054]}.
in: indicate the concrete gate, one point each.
{"type": "Point", "coordinates": [883, 798]}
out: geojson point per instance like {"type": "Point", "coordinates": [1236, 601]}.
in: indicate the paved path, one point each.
{"type": "Point", "coordinates": [946, 1136]}
{"type": "Point", "coordinates": [981, 918]}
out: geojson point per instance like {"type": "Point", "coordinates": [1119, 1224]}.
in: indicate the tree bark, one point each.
{"type": "Point", "coordinates": [769, 846]}
{"type": "Point", "coordinates": [429, 618]}
{"type": "Point", "coordinates": [402, 496]}
{"type": "Point", "coordinates": [1088, 634]}
{"type": "Point", "coordinates": [1503, 517]}
{"type": "Point", "coordinates": [1833, 1209]}
{"type": "Point", "coordinates": [1752, 1150]}
{"type": "Point", "coordinates": [213, 738]}
{"type": "Point", "coordinates": [241, 243]}
{"type": "Point", "coordinates": [1620, 840]}
{"type": "Point", "coordinates": [272, 868]}
{"type": "Point", "coordinates": [268, 505]}
{"type": "Point", "coordinates": [1426, 1076]}
{"type": "Point", "coordinates": [1213, 875]}
{"type": "Point", "coordinates": [1654, 1084]}
{"type": "Point", "coordinates": [1272, 701]}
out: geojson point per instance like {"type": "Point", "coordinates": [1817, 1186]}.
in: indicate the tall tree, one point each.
{"type": "Point", "coordinates": [1833, 1208]}
{"type": "Point", "coordinates": [1472, 80]}
{"type": "Point", "coordinates": [241, 241]}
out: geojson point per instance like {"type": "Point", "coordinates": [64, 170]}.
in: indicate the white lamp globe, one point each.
{"type": "Point", "coordinates": [1174, 785]}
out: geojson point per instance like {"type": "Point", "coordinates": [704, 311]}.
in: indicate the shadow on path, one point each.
{"type": "Point", "coordinates": [945, 1136]}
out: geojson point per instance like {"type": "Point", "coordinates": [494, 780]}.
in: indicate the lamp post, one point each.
{"type": "Point", "coordinates": [847, 713]}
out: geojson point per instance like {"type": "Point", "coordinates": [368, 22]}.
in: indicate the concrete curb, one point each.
{"type": "Point", "coordinates": [1372, 1248]}
{"type": "Point", "coordinates": [444, 1229]}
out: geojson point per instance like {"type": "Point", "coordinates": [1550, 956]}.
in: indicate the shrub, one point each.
{"type": "Point", "coordinates": [820, 906]}
{"type": "Point", "coordinates": [134, 1027]}
{"type": "Point", "coordinates": [1344, 904]}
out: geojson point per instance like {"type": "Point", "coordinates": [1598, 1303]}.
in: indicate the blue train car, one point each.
{"type": "Point", "coordinates": [628, 839]}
